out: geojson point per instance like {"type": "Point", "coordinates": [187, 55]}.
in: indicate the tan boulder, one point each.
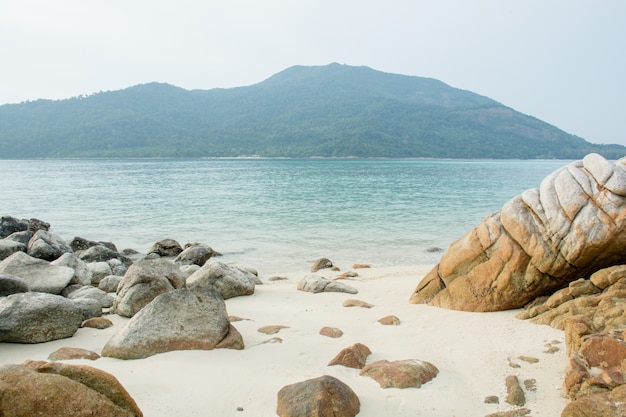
{"type": "Point", "coordinates": [571, 226]}
{"type": "Point", "coordinates": [410, 373]}
{"type": "Point", "coordinates": [609, 404]}
{"type": "Point", "coordinates": [57, 389]}
{"type": "Point", "coordinates": [325, 396]}
{"type": "Point", "coordinates": [354, 356]}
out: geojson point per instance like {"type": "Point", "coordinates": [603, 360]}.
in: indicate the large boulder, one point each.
{"type": "Point", "coordinates": [318, 397]}
{"type": "Point", "coordinates": [145, 280]}
{"type": "Point", "coordinates": [40, 275]}
{"type": "Point", "coordinates": [230, 281]}
{"type": "Point", "coordinates": [56, 389]}
{"type": "Point", "coordinates": [82, 274]}
{"type": "Point", "coordinates": [177, 320]}
{"type": "Point", "coordinates": [37, 317]}
{"type": "Point", "coordinates": [9, 247]}
{"type": "Point", "coordinates": [571, 226]}
{"type": "Point", "coordinates": [195, 254]}
{"type": "Point", "coordinates": [21, 237]}
{"type": "Point", "coordinates": [605, 404]}
{"type": "Point", "coordinates": [47, 246]}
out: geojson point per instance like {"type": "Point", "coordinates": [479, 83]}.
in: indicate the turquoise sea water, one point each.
{"type": "Point", "coordinates": [271, 214]}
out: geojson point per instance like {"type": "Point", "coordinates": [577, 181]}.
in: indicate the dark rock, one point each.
{"type": "Point", "coordinates": [40, 275]}
{"type": "Point", "coordinates": [37, 317]}
{"type": "Point", "coordinates": [325, 396]}
{"type": "Point", "coordinates": [177, 320]}
{"type": "Point", "coordinates": [10, 284]}
{"type": "Point", "coordinates": [166, 247]}
{"type": "Point", "coordinates": [101, 253]}
{"type": "Point", "coordinates": [230, 281]}
{"type": "Point", "coordinates": [321, 263]}
{"type": "Point", "coordinates": [353, 356]}
{"type": "Point", "coordinates": [10, 225]}
{"type": "Point", "coordinates": [21, 237]}
{"type": "Point", "coordinates": [410, 373]}
{"type": "Point", "coordinates": [47, 246]}
{"type": "Point", "coordinates": [145, 280]}
{"type": "Point", "coordinates": [80, 244]}
{"type": "Point", "coordinates": [195, 253]}
{"type": "Point", "coordinates": [35, 225]}
{"type": "Point", "coordinates": [9, 247]}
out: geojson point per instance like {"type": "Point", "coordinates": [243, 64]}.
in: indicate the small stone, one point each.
{"type": "Point", "coordinates": [515, 394]}
{"type": "Point", "coordinates": [97, 323]}
{"type": "Point", "coordinates": [356, 303]}
{"type": "Point", "coordinates": [389, 321]}
{"type": "Point", "coordinates": [530, 384]}
{"type": "Point", "coordinates": [361, 266]}
{"type": "Point", "coordinates": [354, 356]}
{"type": "Point", "coordinates": [528, 359]}
{"type": "Point", "coordinates": [271, 329]}
{"type": "Point", "coordinates": [236, 318]}
{"type": "Point", "coordinates": [331, 332]}
{"type": "Point", "coordinates": [321, 263]}
{"type": "Point", "coordinates": [277, 278]}
{"type": "Point", "coordinates": [348, 274]}
{"type": "Point", "coordinates": [67, 353]}
{"type": "Point", "coordinates": [239, 408]}
{"type": "Point", "coordinates": [492, 399]}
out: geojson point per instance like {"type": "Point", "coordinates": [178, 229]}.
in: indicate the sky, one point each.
{"type": "Point", "coordinates": [562, 61]}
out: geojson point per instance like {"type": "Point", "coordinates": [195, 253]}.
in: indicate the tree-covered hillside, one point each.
{"type": "Point", "coordinates": [334, 110]}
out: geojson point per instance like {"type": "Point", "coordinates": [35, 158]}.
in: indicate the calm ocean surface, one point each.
{"type": "Point", "coordinates": [275, 215]}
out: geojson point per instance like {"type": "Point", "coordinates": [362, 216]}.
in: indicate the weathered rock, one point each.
{"type": "Point", "coordinates": [102, 253]}
{"type": "Point", "coordinates": [62, 391]}
{"type": "Point", "coordinates": [389, 321]}
{"type": "Point", "coordinates": [35, 225]}
{"type": "Point", "coordinates": [10, 225]}
{"type": "Point", "coordinates": [104, 299]}
{"type": "Point", "coordinates": [117, 266]}
{"type": "Point", "coordinates": [145, 280]}
{"type": "Point", "coordinates": [38, 274]}
{"type": "Point", "coordinates": [176, 320]}
{"type": "Point", "coordinates": [410, 373]}
{"type": "Point", "coordinates": [99, 270]}
{"type": "Point", "coordinates": [325, 396]}
{"type": "Point", "coordinates": [91, 308]}
{"type": "Point", "coordinates": [195, 253]}
{"type": "Point", "coordinates": [82, 274]}
{"type": "Point", "coordinates": [603, 351]}
{"type": "Point", "coordinates": [321, 263]}
{"type": "Point", "coordinates": [609, 404]}
{"type": "Point", "coordinates": [317, 284]}
{"type": "Point", "coordinates": [229, 281]}
{"type": "Point", "coordinates": [21, 237]}
{"type": "Point", "coordinates": [68, 353]}
{"type": "Point", "coordinates": [514, 392]}
{"type": "Point", "coordinates": [79, 244]}
{"type": "Point", "coordinates": [47, 246]}
{"type": "Point", "coordinates": [331, 332]}
{"type": "Point", "coordinates": [34, 317]}
{"type": "Point", "coordinates": [166, 247]}
{"type": "Point", "coordinates": [582, 287]}
{"type": "Point", "coordinates": [9, 247]}
{"type": "Point", "coordinates": [110, 283]}
{"type": "Point", "coordinates": [572, 226]}
{"type": "Point", "coordinates": [608, 276]}
{"type": "Point", "coordinates": [97, 323]}
{"type": "Point", "coordinates": [518, 412]}
{"type": "Point", "coordinates": [10, 284]}
{"type": "Point", "coordinates": [353, 356]}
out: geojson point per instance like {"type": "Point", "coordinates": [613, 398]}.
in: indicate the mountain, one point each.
{"type": "Point", "coordinates": [328, 111]}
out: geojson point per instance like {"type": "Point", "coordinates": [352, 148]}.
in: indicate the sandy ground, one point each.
{"type": "Point", "coordinates": [473, 352]}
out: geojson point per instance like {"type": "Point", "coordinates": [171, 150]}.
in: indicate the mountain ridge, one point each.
{"type": "Point", "coordinates": [302, 111]}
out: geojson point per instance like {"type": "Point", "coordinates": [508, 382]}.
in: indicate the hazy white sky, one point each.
{"type": "Point", "coordinates": [562, 61]}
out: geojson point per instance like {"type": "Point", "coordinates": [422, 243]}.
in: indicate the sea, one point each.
{"type": "Point", "coordinates": [274, 215]}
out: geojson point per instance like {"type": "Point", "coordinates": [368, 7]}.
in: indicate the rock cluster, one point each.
{"type": "Point", "coordinates": [571, 226]}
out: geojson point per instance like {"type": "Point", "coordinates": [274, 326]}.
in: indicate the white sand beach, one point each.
{"type": "Point", "coordinates": [472, 351]}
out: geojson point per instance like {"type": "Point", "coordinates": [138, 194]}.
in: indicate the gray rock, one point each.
{"type": "Point", "coordinates": [102, 253]}
{"type": "Point", "coordinates": [195, 253]}
{"type": "Point", "coordinates": [321, 263]}
{"type": "Point", "coordinates": [316, 284]}
{"type": "Point", "coordinates": [104, 299]}
{"type": "Point", "coordinates": [9, 247]}
{"type": "Point", "coordinates": [80, 244]}
{"type": "Point", "coordinates": [47, 246]}
{"type": "Point", "coordinates": [230, 281]}
{"type": "Point", "coordinates": [82, 274]}
{"type": "Point", "coordinates": [90, 307]}
{"type": "Point", "coordinates": [34, 317]}
{"type": "Point", "coordinates": [10, 225]}
{"type": "Point", "coordinates": [35, 225]}
{"type": "Point", "coordinates": [143, 281]}
{"type": "Point", "coordinates": [10, 284]}
{"type": "Point", "coordinates": [22, 237]}
{"type": "Point", "coordinates": [176, 320]}
{"type": "Point", "coordinates": [110, 283]}
{"type": "Point", "coordinates": [39, 274]}
{"type": "Point", "coordinates": [99, 270]}
{"type": "Point", "coordinates": [117, 267]}
{"type": "Point", "coordinates": [166, 247]}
